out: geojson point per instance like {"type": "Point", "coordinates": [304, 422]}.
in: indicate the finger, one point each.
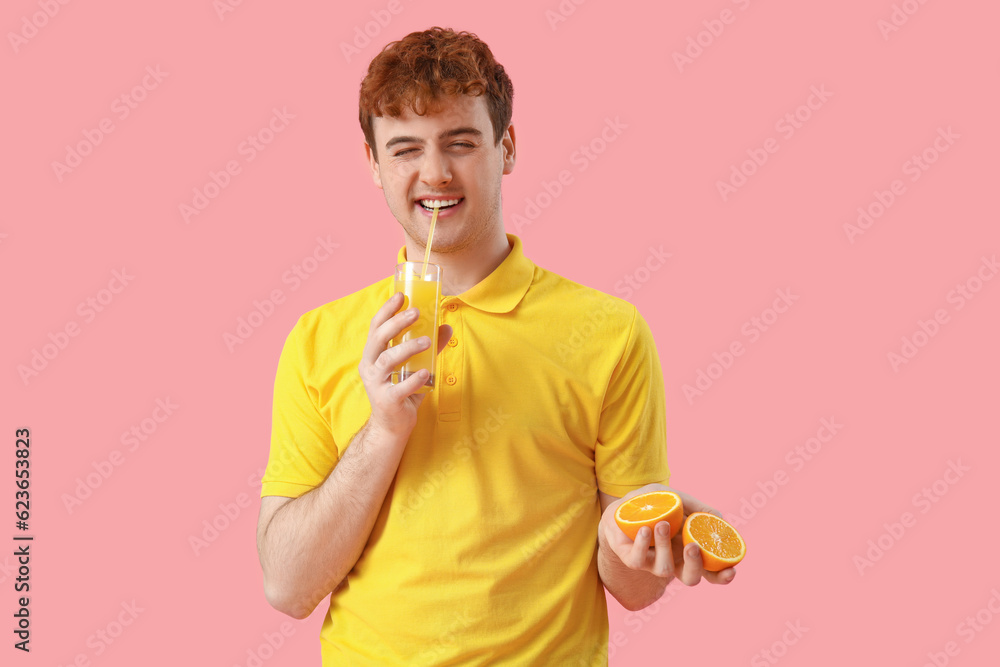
{"type": "Point", "coordinates": [395, 326]}
{"type": "Point", "coordinates": [638, 557]}
{"type": "Point", "coordinates": [407, 387]}
{"type": "Point", "coordinates": [722, 577]}
{"type": "Point", "coordinates": [379, 337]}
{"type": "Point", "coordinates": [663, 565]}
{"type": "Point", "coordinates": [394, 357]}
{"type": "Point", "coordinates": [444, 335]}
{"type": "Point", "coordinates": [693, 569]}
{"type": "Point", "coordinates": [387, 310]}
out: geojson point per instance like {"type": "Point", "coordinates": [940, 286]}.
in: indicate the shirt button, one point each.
{"type": "Point", "coordinates": [452, 342]}
{"type": "Point", "coordinates": [452, 306]}
{"type": "Point", "coordinates": [450, 379]}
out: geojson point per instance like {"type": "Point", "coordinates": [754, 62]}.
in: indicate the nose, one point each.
{"type": "Point", "coordinates": [435, 169]}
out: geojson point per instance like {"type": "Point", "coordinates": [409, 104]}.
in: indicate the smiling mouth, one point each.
{"type": "Point", "coordinates": [442, 204]}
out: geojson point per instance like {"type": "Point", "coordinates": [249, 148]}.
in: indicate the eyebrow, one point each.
{"type": "Point", "coordinates": [444, 135]}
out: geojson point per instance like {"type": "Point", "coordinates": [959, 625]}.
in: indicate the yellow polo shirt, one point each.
{"type": "Point", "coordinates": [485, 549]}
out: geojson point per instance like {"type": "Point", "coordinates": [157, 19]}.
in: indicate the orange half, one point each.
{"type": "Point", "coordinates": [649, 509]}
{"type": "Point", "coordinates": [721, 546]}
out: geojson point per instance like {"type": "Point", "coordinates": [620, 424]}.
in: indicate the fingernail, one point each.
{"type": "Point", "coordinates": [663, 530]}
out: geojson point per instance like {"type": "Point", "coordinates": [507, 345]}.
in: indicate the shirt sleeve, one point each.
{"type": "Point", "coordinates": [303, 451]}
{"type": "Point", "coordinates": [632, 438]}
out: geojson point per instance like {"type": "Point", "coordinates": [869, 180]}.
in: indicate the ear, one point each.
{"type": "Point", "coordinates": [373, 165]}
{"type": "Point", "coordinates": [508, 146]}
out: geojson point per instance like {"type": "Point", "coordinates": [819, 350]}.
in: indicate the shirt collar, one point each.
{"type": "Point", "coordinates": [504, 288]}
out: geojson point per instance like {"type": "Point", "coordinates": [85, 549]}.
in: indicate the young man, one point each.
{"type": "Point", "coordinates": [474, 524]}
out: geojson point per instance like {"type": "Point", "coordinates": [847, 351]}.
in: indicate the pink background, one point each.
{"type": "Point", "coordinates": [655, 185]}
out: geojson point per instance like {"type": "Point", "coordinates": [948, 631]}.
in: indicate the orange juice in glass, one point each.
{"type": "Point", "coordinates": [420, 282]}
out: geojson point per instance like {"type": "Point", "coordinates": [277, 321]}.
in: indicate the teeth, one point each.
{"type": "Point", "coordinates": [431, 203]}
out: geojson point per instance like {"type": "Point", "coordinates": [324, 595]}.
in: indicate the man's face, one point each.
{"type": "Point", "coordinates": [449, 157]}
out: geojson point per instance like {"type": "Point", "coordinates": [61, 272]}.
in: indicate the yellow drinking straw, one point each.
{"type": "Point", "coordinates": [430, 238]}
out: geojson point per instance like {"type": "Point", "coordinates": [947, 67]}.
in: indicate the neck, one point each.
{"type": "Point", "coordinates": [464, 269]}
